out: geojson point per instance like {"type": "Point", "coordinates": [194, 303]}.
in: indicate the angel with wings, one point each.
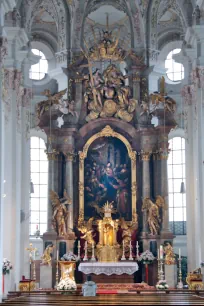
{"type": "Point", "coordinates": [153, 213]}
{"type": "Point", "coordinates": [86, 230]}
{"type": "Point", "coordinates": [51, 100]}
{"type": "Point", "coordinates": [60, 213]}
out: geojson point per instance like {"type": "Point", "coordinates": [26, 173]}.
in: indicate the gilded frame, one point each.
{"type": "Point", "coordinates": [107, 132]}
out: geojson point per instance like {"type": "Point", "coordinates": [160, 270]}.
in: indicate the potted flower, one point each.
{"type": "Point", "coordinates": [146, 258]}
{"type": "Point", "coordinates": [67, 267]}
{"type": "Point", "coordinates": [7, 266]}
{"type": "Point", "coordinates": [162, 284]}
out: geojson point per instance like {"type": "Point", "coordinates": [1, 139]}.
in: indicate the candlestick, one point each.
{"type": "Point", "coordinates": [130, 257]}
{"type": "Point", "coordinates": [93, 256]}
{"type": "Point", "coordinates": [123, 256]}
{"type": "Point", "coordinates": [137, 250]}
{"type": "Point", "coordinates": [179, 253]}
{"type": "Point", "coordinates": [85, 255]}
{"type": "Point", "coordinates": [57, 274]}
{"type": "Point", "coordinates": [161, 252]}
{"type": "Point", "coordinates": [180, 283]}
{"type": "Point", "coordinates": [79, 246]}
{"type": "Point", "coordinates": [158, 265]}
{"type": "Point", "coordinates": [161, 272]}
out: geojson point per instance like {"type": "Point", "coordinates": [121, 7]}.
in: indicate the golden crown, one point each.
{"type": "Point", "coordinates": [108, 207]}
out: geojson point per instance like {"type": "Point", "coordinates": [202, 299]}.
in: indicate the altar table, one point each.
{"type": "Point", "coordinates": [110, 272]}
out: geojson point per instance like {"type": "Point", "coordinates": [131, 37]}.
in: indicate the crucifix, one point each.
{"type": "Point", "coordinates": [32, 252]}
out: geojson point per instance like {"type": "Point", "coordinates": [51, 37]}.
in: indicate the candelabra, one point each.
{"type": "Point", "coordinates": [85, 255]}
{"type": "Point", "coordinates": [79, 247]}
{"type": "Point", "coordinates": [137, 251]}
{"type": "Point", "coordinates": [123, 256]}
{"type": "Point", "coordinates": [161, 271]}
{"type": "Point", "coordinates": [130, 257]}
{"type": "Point", "coordinates": [93, 256]}
{"type": "Point", "coordinates": [34, 271]}
{"type": "Point", "coordinates": [57, 275]}
{"type": "Point", "coordinates": [180, 283]}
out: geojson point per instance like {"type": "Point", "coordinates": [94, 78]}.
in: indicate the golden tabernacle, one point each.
{"type": "Point", "coordinates": [108, 248]}
{"type": "Point", "coordinates": [194, 280]}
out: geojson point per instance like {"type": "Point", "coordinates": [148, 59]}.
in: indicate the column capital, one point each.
{"type": "Point", "coordinates": [145, 155]}
{"type": "Point", "coordinates": [163, 155]}
{"type": "Point", "coordinates": [53, 156]}
{"type": "Point", "coordinates": [70, 156]}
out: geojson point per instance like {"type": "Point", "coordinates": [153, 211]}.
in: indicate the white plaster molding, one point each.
{"type": "Point", "coordinates": [8, 5]}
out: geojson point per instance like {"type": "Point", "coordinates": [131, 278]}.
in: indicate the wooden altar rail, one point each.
{"type": "Point", "coordinates": [140, 297]}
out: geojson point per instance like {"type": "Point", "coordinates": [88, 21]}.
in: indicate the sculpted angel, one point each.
{"type": "Point", "coordinates": [86, 230]}
{"type": "Point", "coordinates": [46, 257]}
{"type": "Point", "coordinates": [153, 215]}
{"type": "Point", "coordinates": [60, 213]}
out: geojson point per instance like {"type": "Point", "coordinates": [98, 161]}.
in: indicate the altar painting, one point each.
{"type": "Point", "coordinates": [107, 177]}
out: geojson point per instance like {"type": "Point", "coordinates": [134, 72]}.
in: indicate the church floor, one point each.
{"type": "Point", "coordinates": [144, 298]}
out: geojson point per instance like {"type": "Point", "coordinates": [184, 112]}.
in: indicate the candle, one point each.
{"type": "Point", "coordinates": [78, 243]}
{"type": "Point", "coordinates": [130, 244]}
{"type": "Point", "coordinates": [137, 244]}
{"type": "Point", "coordinates": [161, 252]}
{"type": "Point", "coordinates": [179, 253]}
{"type": "Point", "coordinates": [36, 227]}
{"type": "Point", "coordinates": [158, 254]}
{"type": "Point", "coordinates": [57, 254]}
{"type": "Point", "coordinates": [34, 255]}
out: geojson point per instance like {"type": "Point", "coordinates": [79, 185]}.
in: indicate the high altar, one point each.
{"type": "Point", "coordinates": [102, 147]}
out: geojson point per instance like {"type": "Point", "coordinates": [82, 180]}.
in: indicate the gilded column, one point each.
{"type": "Point", "coordinates": [69, 156]}
{"type": "Point", "coordinates": [52, 184]}
{"type": "Point", "coordinates": [145, 157]}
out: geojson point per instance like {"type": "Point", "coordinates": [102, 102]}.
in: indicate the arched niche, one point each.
{"type": "Point", "coordinates": [107, 132]}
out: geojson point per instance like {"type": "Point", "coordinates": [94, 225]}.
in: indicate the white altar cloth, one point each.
{"type": "Point", "coordinates": [108, 268]}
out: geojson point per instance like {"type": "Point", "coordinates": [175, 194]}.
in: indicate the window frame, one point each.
{"type": "Point", "coordinates": [38, 198]}
{"type": "Point", "coordinates": [173, 63]}
{"type": "Point", "coordinates": [174, 224]}
{"type": "Point", "coordinates": [39, 63]}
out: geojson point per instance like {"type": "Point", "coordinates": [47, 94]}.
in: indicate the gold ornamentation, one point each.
{"type": "Point", "coordinates": [53, 156]}
{"type": "Point", "coordinates": [107, 132]}
{"type": "Point", "coordinates": [70, 156]}
{"type": "Point", "coordinates": [134, 188]}
{"type": "Point", "coordinates": [46, 257]}
{"type": "Point", "coordinates": [153, 215]}
{"type": "Point", "coordinates": [108, 96]}
{"type": "Point", "coordinates": [106, 49]}
{"type": "Point", "coordinates": [170, 256]}
{"type": "Point", "coordinates": [128, 229]}
{"type": "Point", "coordinates": [86, 229]}
{"type": "Point", "coordinates": [194, 280]}
{"type": "Point", "coordinates": [161, 97]}
{"type": "Point", "coordinates": [60, 213]}
{"type": "Point", "coordinates": [81, 189]}
{"type": "Point", "coordinates": [26, 286]}
{"type": "Point", "coordinates": [145, 156]}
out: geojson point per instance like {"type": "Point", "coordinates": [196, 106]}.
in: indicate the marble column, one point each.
{"type": "Point", "coordinates": [163, 182]}
{"type": "Point", "coordinates": [52, 184]}
{"type": "Point", "coordinates": [145, 157]}
{"type": "Point", "coordinates": [69, 156]}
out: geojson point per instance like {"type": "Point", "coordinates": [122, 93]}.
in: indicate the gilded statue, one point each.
{"type": "Point", "coordinates": [46, 257]}
{"type": "Point", "coordinates": [170, 256]}
{"type": "Point", "coordinates": [60, 213]}
{"type": "Point", "coordinates": [153, 214]}
{"type": "Point", "coordinates": [194, 280]}
{"type": "Point", "coordinates": [51, 100]}
{"type": "Point", "coordinates": [128, 229]}
{"type": "Point", "coordinates": [107, 95]}
{"type": "Point", "coordinates": [86, 229]}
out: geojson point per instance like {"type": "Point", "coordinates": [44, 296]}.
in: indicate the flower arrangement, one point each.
{"type": "Point", "coordinates": [7, 266]}
{"type": "Point", "coordinates": [146, 257]}
{"type": "Point", "coordinates": [70, 256]}
{"type": "Point", "coordinates": [162, 284]}
{"type": "Point", "coordinates": [67, 284]}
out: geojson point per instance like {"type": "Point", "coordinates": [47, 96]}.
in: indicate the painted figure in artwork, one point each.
{"type": "Point", "coordinates": [107, 177]}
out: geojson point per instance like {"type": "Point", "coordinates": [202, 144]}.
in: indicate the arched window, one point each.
{"type": "Point", "coordinates": [39, 178]}
{"type": "Point", "coordinates": [38, 71]}
{"type": "Point", "coordinates": [175, 70]}
{"type": "Point", "coordinates": [177, 183]}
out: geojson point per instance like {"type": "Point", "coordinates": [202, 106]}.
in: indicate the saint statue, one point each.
{"type": "Point", "coordinates": [60, 213]}
{"type": "Point", "coordinates": [46, 257]}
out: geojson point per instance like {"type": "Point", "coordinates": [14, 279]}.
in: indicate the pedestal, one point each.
{"type": "Point", "coordinates": [45, 277]}
{"type": "Point", "coordinates": [171, 275]}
